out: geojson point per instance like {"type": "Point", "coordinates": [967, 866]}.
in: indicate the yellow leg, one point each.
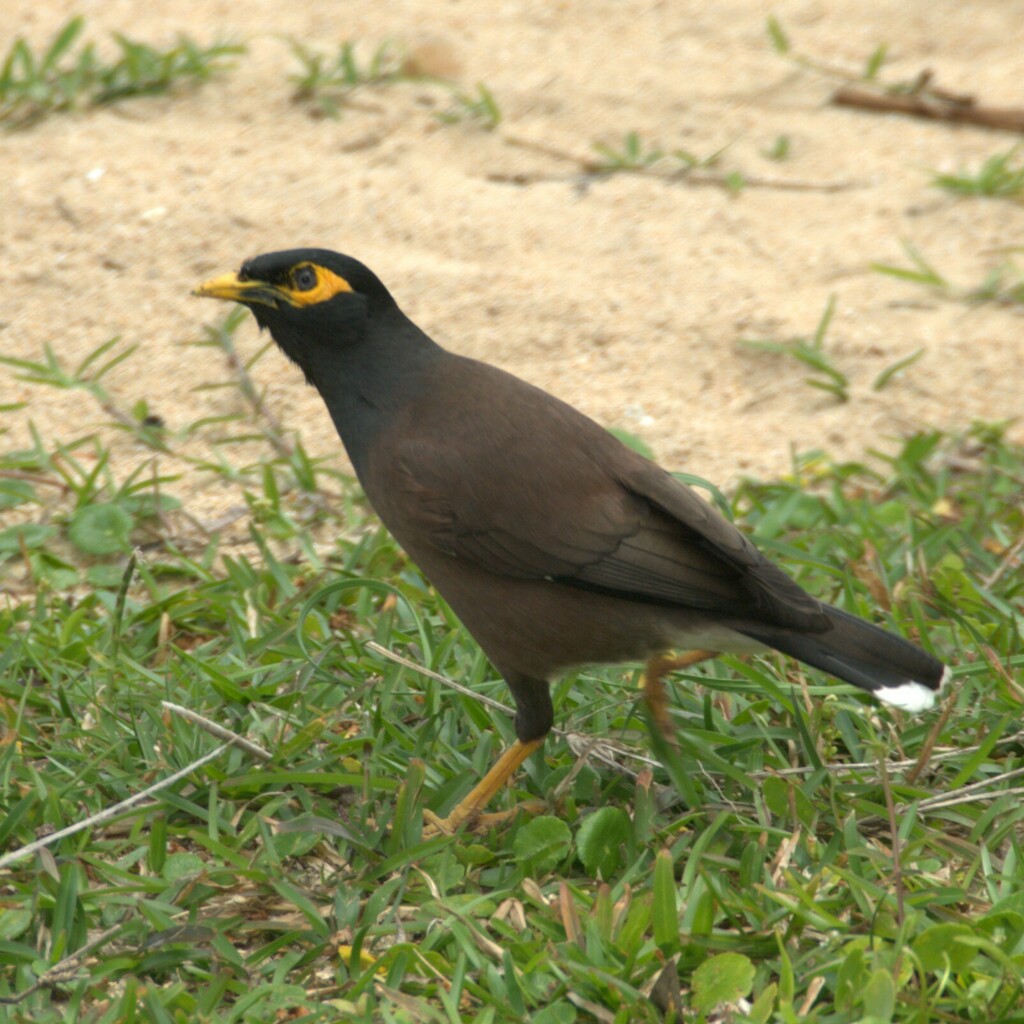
{"type": "Point", "coordinates": [654, 688]}
{"type": "Point", "coordinates": [470, 808]}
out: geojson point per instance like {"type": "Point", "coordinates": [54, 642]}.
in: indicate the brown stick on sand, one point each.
{"type": "Point", "coordinates": [932, 104]}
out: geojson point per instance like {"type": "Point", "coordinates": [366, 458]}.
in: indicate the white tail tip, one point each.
{"type": "Point", "coordinates": [912, 696]}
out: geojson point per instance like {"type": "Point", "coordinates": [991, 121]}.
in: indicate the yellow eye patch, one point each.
{"type": "Point", "coordinates": [327, 284]}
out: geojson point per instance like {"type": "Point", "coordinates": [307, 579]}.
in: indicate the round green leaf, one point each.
{"type": "Point", "coordinates": [721, 979]}
{"type": "Point", "coordinates": [57, 576]}
{"type": "Point", "coordinates": [104, 577]}
{"type": "Point", "coordinates": [542, 843]}
{"type": "Point", "coordinates": [182, 865]}
{"type": "Point", "coordinates": [777, 794]}
{"type": "Point", "coordinates": [14, 922]}
{"type": "Point", "coordinates": [100, 529]}
{"type": "Point", "coordinates": [474, 854]}
{"type": "Point", "coordinates": [562, 1012]}
{"type": "Point", "coordinates": [15, 492]}
{"type": "Point", "coordinates": [851, 977]}
{"type": "Point", "coordinates": [28, 535]}
{"type": "Point", "coordinates": [880, 996]}
{"type": "Point", "coordinates": [600, 839]}
{"type": "Point", "coordinates": [940, 948]}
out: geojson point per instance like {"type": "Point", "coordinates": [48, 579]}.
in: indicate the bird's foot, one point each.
{"type": "Point", "coordinates": [654, 687]}
{"type": "Point", "coordinates": [470, 810]}
{"type": "Point", "coordinates": [479, 823]}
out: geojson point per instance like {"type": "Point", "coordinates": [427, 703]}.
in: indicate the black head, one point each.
{"type": "Point", "coordinates": [313, 301]}
{"type": "Point", "coordinates": [299, 279]}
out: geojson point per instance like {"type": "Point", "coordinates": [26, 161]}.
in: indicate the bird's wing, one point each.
{"type": "Point", "coordinates": [767, 593]}
{"type": "Point", "coordinates": [595, 515]}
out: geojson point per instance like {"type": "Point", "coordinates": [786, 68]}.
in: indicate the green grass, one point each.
{"type": "Point", "coordinates": [781, 43]}
{"type": "Point", "coordinates": [326, 82]}
{"type": "Point", "coordinates": [1003, 284]}
{"type": "Point", "coordinates": [634, 155]}
{"type": "Point", "coordinates": [832, 861]}
{"type": "Point", "coordinates": [811, 352]}
{"type": "Point", "coordinates": [779, 150]}
{"type": "Point", "coordinates": [69, 74]}
{"type": "Point", "coordinates": [1001, 176]}
{"type": "Point", "coordinates": [479, 107]}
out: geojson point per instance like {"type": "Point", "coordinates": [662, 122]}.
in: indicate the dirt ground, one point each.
{"type": "Point", "coordinates": [626, 296]}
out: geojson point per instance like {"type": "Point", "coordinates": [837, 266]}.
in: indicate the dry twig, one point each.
{"type": "Point", "coordinates": [931, 103]}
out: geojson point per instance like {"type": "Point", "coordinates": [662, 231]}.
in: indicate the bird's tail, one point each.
{"type": "Point", "coordinates": [887, 666]}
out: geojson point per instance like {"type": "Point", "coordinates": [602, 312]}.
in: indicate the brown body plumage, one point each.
{"type": "Point", "coordinates": [554, 543]}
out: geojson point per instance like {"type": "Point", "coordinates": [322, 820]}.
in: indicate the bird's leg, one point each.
{"type": "Point", "coordinates": [469, 809]}
{"type": "Point", "coordinates": [654, 689]}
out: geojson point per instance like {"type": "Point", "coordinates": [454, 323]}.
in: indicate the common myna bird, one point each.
{"type": "Point", "coordinates": [554, 543]}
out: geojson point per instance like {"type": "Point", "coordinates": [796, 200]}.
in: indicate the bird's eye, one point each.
{"type": "Point", "coordinates": [303, 279]}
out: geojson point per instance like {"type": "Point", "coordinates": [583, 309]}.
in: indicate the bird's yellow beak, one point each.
{"type": "Point", "coordinates": [232, 288]}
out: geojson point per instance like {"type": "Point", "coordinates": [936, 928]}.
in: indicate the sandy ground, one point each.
{"type": "Point", "coordinates": [627, 296]}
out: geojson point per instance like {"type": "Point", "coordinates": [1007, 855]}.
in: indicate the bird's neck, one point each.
{"type": "Point", "coordinates": [368, 383]}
